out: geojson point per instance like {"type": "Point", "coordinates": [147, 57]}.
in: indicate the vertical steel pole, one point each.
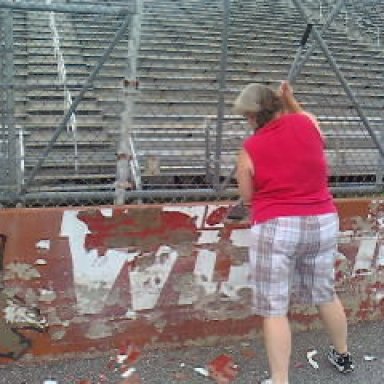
{"type": "Point", "coordinates": [10, 128]}
{"type": "Point", "coordinates": [127, 165]}
{"type": "Point", "coordinates": [222, 81]}
{"type": "Point", "coordinates": [2, 90]}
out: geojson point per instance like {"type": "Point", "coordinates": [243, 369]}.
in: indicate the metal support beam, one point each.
{"type": "Point", "coordinates": [127, 166]}
{"type": "Point", "coordinates": [341, 78]}
{"type": "Point", "coordinates": [222, 88]}
{"type": "Point", "coordinates": [51, 198]}
{"type": "Point", "coordinates": [9, 121]}
{"type": "Point", "coordinates": [77, 100]}
{"type": "Point", "coordinates": [296, 61]}
{"type": "Point", "coordinates": [32, 87]}
{"type": "Point", "coordinates": [75, 197]}
{"type": "Point", "coordinates": [66, 8]}
{"type": "Point", "coordinates": [298, 65]}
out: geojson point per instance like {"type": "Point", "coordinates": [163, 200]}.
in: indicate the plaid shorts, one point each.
{"type": "Point", "coordinates": [292, 260]}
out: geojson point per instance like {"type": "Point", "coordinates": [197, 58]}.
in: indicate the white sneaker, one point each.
{"type": "Point", "coordinates": [267, 381]}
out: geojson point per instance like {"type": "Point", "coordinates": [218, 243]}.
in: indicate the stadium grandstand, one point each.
{"type": "Point", "coordinates": [106, 101]}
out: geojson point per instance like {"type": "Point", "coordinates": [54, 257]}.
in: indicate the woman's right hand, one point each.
{"type": "Point", "coordinates": [285, 90]}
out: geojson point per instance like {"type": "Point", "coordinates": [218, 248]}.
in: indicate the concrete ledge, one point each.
{"type": "Point", "coordinates": [85, 280]}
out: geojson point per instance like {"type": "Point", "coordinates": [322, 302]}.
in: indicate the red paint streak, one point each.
{"type": "Point", "coordinates": [121, 289]}
{"type": "Point", "coordinates": [223, 369]}
{"type": "Point", "coordinates": [123, 230]}
{"type": "Point", "coordinates": [222, 267]}
{"type": "Point", "coordinates": [217, 216]}
{"type": "Point", "coordinates": [172, 289]}
{"type": "Point", "coordinates": [131, 350]}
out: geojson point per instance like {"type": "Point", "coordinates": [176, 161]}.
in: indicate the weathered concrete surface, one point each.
{"type": "Point", "coordinates": [88, 280]}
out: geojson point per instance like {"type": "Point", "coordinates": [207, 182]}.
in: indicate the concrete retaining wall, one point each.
{"type": "Point", "coordinates": [86, 280]}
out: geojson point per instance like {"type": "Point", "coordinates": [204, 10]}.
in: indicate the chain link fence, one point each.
{"type": "Point", "coordinates": [116, 102]}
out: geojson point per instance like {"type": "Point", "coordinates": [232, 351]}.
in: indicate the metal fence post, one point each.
{"type": "Point", "coordinates": [222, 88]}
{"type": "Point", "coordinates": [127, 167]}
{"type": "Point", "coordinates": [9, 112]}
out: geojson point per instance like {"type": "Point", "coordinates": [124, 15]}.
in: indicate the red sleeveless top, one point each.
{"type": "Point", "coordinates": [291, 172]}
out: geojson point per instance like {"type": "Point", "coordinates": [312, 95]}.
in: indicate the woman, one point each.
{"type": "Point", "coordinates": [282, 174]}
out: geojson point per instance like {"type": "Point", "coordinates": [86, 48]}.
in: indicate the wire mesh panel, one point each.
{"type": "Point", "coordinates": [352, 148]}
{"type": "Point", "coordinates": [60, 58]}
{"type": "Point", "coordinates": [178, 73]}
{"type": "Point", "coordinates": [348, 102]}
{"type": "Point", "coordinates": [3, 130]}
{"type": "Point", "coordinates": [65, 97]}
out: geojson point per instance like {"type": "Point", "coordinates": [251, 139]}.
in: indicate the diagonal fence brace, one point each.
{"type": "Point", "coordinates": [341, 78]}
{"type": "Point", "coordinates": [298, 64]}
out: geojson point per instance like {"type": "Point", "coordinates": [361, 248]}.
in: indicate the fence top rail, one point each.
{"type": "Point", "coordinates": [67, 8]}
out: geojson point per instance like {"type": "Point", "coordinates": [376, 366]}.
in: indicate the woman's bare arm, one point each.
{"type": "Point", "coordinates": [244, 175]}
{"type": "Point", "coordinates": [291, 105]}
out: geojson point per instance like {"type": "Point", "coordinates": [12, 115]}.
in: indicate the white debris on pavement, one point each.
{"type": "Point", "coordinates": [128, 372]}
{"type": "Point", "coordinates": [369, 358]}
{"type": "Point", "coordinates": [121, 358]}
{"type": "Point", "coordinates": [202, 371]}
{"type": "Point", "coordinates": [312, 362]}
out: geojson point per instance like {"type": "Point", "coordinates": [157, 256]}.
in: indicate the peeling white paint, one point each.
{"type": "Point", "coordinates": [380, 222]}
{"type": "Point", "coordinates": [205, 264]}
{"type": "Point", "coordinates": [238, 279]}
{"type": "Point", "coordinates": [380, 257]}
{"type": "Point", "coordinates": [340, 256]}
{"type": "Point", "coordinates": [47, 295]}
{"type": "Point", "coordinates": [203, 273]}
{"type": "Point", "coordinates": [345, 237]}
{"type": "Point", "coordinates": [58, 334]}
{"type": "Point", "coordinates": [98, 329]}
{"type": "Point", "coordinates": [88, 268]}
{"type": "Point", "coordinates": [379, 296]}
{"type": "Point", "coordinates": [365, 254]}
{"type": "Point", "coordinates": [241, 237]}
{"type": "Point", "coordinates": [107, 212]}
{"type": "Point", "coordinates": [196, 212]}
{"type": "Point", "coordinates": [41, 262]}
{"type": "Point", "coordinates": [20, 271]}
{"type": "Point", "coordinates": [146, 286]}
{"type": "Point", "coordinates": [209, 237]}
{"type": "Point", "coordinates": [43, 244]}
{"type": "Point", "coordinates": [130, 314]}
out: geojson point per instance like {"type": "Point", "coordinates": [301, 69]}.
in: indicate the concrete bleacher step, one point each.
{"type": "Point", "coordinates": [178, 67]}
